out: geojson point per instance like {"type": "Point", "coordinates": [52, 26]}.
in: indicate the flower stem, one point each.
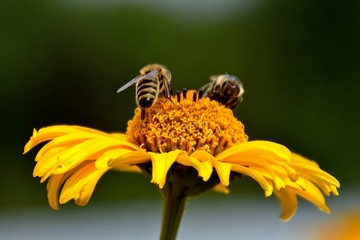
{"type": "Point", "coordinates": [174, 206]}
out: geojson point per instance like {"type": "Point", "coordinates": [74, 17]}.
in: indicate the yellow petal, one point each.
{"type": "Point", "coordinates": [66, 140]}
{"type": "Point", "coordinates": [76, 138]}
{"type": "Point", "coordinates": [206, 161]}
{"type": "Point", "coordinates": [288, 202]}
{"type": "Point", "coordinates": [111, 158]}
{"type": "Point", "coordinates": [57, 131]}
{"type": "Point", "coordinates": [80, 186]}
{"type": "Point", "coordinates": [121, 136]}
{"type": "Point", "coordinates": [221, 188]}
{"type": "Point", "coordinates": [53, 186]}
{"type": "Point", "coordinates": [334, 190]}
{"type": "Point", "coordinates": [313, 195]}
{"type": "Point", "coordinates": [50, 153]}
{"type": "Point", "coordinates": [254, 149]}
{"type": "Point", "coordinates": [199, 160]}
{"type": "Point", "coordinates": [256, 176]}
{"type": "Point", "coordinates": [46, 166]}
{"type": "Point", "coordinates": [263, 154]}
{"type": "Point", "coordinates": [223, 171]}
{"type": "Point", "coordinates": [68, 151]}
{"type": "Point", "coordinates": [308, 191]}
{"type": "Point", "coordinates": [126, 168]}
{"type": "Point", "coordinates": [70, 157]}
{"type": "Point", "coordinates": [311, 168]}
{"type": "Point", "coordinates": [161, 162]}
{"type": "Point", "coordinates": [48, 133]}
{"type": "Point", "coordinates": [81, 152]}
{"type": "Point", "coordinates": [45, 134]}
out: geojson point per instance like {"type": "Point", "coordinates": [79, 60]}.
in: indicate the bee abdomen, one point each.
{"type": "Point", "coordinates": [146, 84]}
{"type": "Point", "coordinates": [146, 93]}
{"type": "Point", "coordinates": [146, 101]}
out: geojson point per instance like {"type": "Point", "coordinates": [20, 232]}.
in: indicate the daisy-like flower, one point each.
{"type": "Point", "coordinates": [187, 146]}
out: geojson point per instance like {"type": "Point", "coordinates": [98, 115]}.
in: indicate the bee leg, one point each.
{"type": "Point", "coordinates": [233, 104]}
{"type": "Point", "coordinates": [142, 114]}
{"type": "Point", "coordinates": [171, 101]}
{"type": "Point", "coordinates": [177, 99]}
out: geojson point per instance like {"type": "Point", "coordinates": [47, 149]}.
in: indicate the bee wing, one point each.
{"type": "Point", "coordinates": [152, 74]}
{"type": "Point", "coordinates": [131, 82]}
{"type": "Point", "coordinates": [226, 76]}
{"type": "Point", "coordinates": [168, 90]}
{"type": "Point", "coordinates": [233, 78]}
{"type": "Point", "coordinates": [214, 77]}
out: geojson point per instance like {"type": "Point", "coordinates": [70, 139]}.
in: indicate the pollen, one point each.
{"type": "Point", "coordinates": [187, 123]}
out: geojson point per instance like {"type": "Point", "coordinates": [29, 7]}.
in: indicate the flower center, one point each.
{"type": "Point", "coordinates": [186, 123]}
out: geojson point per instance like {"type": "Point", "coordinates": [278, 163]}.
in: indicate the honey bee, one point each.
{"type": "Point", "coordinates": [153, 82]}
{"type": "Point", "coordinates": [225, 89]}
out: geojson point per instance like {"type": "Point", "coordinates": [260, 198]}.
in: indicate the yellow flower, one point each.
{"type": "Point", "coordinates": [196, 144]}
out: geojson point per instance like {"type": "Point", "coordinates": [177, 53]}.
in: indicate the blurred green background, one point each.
{"type": "Point", "coordinates": [61, 62]}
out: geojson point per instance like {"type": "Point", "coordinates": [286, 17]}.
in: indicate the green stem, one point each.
{"type": "Point", "coordinates": [174, 206]}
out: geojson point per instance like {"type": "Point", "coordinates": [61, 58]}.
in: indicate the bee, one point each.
{"type": "Point", "coordinates": [225, 89]}
{"type": "Point", "coordinates": [153, 82]}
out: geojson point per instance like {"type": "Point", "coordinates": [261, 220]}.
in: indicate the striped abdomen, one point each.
{"type": "Point", "coordinates": [147, 92]}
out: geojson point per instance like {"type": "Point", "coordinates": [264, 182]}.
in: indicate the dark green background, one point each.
{"type": "Point", "coordinates": [61, 62]}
